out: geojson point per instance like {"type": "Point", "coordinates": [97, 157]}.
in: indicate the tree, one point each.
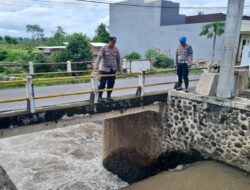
{"type": "Point", "coordinates": [59, 37]}
{"type": "Point", "coordinates": [1, 38]}
{"type": "Point", "coordinates": [8, 39]}
{"type": "Point", "coordinates": [78, 50]}
{"type": "Point", "coordinates": [36, 31]}
{"type": "Point", "coordinates": [132, 56]}
{"type": "Point", "coordinates": [212, 31]}
{"type": "Point", "coordinates": [101, 34]}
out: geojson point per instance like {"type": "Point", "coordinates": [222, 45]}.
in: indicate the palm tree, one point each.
{"type": "Point", "coordinates": [213, 30]}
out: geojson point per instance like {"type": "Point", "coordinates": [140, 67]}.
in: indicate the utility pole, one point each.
{"type": "Point", "coordinates": [226, 85]}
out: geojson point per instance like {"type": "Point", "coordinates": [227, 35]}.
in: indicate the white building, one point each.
{"type": "Point", "coordinates": [158, 24]}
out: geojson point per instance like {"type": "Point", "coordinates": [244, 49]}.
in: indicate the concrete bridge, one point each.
{"type": "Point", "coordinates": [145, 135]}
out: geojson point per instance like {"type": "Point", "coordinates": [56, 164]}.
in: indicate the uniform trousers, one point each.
{"type": "Point", "coordinates": [108, 82]}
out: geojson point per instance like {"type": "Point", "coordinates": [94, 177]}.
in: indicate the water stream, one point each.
{"type": "Point", "coordinates": [62, 159]}
{"type": "Point", "coordinates": [71, 159]}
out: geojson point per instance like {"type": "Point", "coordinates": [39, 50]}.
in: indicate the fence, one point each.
{"type": "Point", "coordinates": [31, 68]}
{"type": "Point", "coordinates": [31, 98]}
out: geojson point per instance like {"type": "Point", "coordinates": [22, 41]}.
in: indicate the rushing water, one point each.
{"type": "Point", "coordinates": [71, 159]}
{"type": "Point", "coordinates": [66, 159]}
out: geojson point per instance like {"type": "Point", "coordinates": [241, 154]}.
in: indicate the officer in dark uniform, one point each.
{"type": "Point", "coordinates": [184, 59]}
{"type": "Point", "coordinates": [111, 64]}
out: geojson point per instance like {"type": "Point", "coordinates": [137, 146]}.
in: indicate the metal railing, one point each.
{"type": "Point", "coordinates": [31, 67]}
{"type": "Point", "coordinates": [31, 98]}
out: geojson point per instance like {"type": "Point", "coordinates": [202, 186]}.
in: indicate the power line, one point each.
{"type": "Point", "coordinates": [79, 5]}
{"type": "Point", "coordinates": [152, 6]}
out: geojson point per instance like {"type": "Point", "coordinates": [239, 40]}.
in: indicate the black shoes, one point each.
{"type": "Point", "coordinates": [109, 99]}
{"type": "Point", "coordinates": [102, 100]}
{"type": "Point", "coordinates": [179, 89]}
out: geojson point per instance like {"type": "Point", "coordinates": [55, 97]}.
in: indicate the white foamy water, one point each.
{"type": "Point", "coordinates": [62, 159]}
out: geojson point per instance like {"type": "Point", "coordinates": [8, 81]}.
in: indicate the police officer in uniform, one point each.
{"type": "Point", "coordinates": [184, 58]}
{"type": "Point", "coordinates": [110, 57]}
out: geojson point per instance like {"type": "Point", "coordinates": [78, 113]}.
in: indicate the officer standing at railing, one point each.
{"type": "Point", "coordinates": [184, 58]}
{"type": "Point", "coordinates": [111, 64]}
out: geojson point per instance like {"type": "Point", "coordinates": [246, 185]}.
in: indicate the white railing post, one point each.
{"type": "Point", "coordinates": [140, 90]}
{"type": "Point", "coordinates": [94, 87]}
{"type": "Point", "coordinates": [31, 68]}
{"type": "Point", "coordinates": [30, 95]}
{"type": "Point", "coordinates": [69, 67]}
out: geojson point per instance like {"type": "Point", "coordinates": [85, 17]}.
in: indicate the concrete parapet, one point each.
{"type": "Point", "coordinates": [207, 84]}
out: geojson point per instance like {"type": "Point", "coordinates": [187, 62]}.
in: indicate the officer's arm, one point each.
{"type": "Point", "coordinates": [119, 66]}
{"type": "Point", "coordinates": [98, 60]}
{"type": "Point", "coordinates": [176, 58]}
{"type": "Point", "coordinates": [190, 56]}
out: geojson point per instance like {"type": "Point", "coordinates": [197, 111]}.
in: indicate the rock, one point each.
{"type": "Point", "coordinates": [244, 127]}
{"type": "Point", "coordinates": [238, 145]}
{"type": "Point", "coordinates": [187, 107]}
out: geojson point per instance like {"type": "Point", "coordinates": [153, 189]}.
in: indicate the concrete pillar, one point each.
{"type": "Point", "coordinates": [132, 144]}
{"type": "Point", "coordinates": [226, 85]}
{"type": "Point", "coordinates": [30, 95]}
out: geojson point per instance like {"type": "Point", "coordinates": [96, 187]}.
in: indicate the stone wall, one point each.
{"type": "Point", "coordinates": [188, 128]}
{"type": "Point", "coordinates": [214, 128]}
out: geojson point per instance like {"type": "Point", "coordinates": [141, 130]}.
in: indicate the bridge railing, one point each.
{"type": "Point", "coordinates": [31, 98]}
{"type": "Point", "coordinates": [32, 67]}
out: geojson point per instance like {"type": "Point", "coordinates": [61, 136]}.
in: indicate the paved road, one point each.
{"type": "Point", "coordinates": [20, 92]}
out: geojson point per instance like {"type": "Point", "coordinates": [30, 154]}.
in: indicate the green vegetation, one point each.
{"type": "Point", "coordinates": [249, 82]}
{"type": "Point", "coordinates": [212, 31]}
{"type": "Point", "coordinates": [36, 31]}
{"type": "Point", "coordinates": [159, 60]}
{"type": "Point", "coordinates": [151, 54]}
{"type": "Point", "coordinates": [101, 34]}
{"type": "Point", "coordinates": [132, 56]}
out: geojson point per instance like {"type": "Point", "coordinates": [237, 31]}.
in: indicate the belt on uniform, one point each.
{"type": "Point", "coordinates": [182, 62]}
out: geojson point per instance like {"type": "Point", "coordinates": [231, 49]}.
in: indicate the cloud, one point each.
{"type": "Point", "coordinates": [73, 15]}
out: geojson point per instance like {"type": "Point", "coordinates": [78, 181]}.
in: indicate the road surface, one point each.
{"type": "Point", "coordinates": [58, 89]}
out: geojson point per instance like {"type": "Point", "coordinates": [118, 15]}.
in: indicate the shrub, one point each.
{"type": "Point", "coordinates": [3, 54]}
{"type": "Point", "coordinates": [132, 56]}
{"type": "Point", "coordinates": [159, 60]}
{"type": "Point", "coordinates": [163, 61]}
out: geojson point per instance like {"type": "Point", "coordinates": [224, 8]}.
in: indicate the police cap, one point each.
{"type": "Point", "coordinates": [112, 38]}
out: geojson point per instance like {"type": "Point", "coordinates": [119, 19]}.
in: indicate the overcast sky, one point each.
{"type": "Point", "coordinates": [72, 15]}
